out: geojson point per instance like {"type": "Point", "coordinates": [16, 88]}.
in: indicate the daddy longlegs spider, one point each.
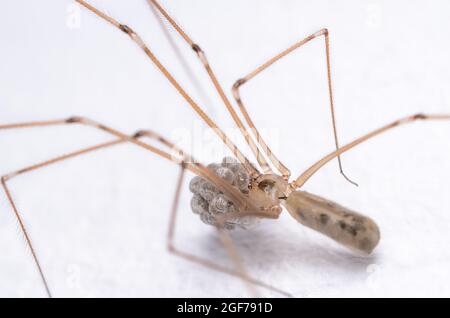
{"type": "Point", "coordinates": [219, 198]}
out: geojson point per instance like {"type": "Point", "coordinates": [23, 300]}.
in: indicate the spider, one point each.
{"type": "Point", "coordinates": [235, 192]}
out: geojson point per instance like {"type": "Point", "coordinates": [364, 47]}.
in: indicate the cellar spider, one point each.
{"type": "Point", "coordinates": [235, 192]}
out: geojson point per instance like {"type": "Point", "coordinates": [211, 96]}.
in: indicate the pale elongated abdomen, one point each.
{"type": "Point", "coordinates": [347, 227]}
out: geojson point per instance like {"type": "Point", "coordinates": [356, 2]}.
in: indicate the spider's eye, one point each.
{"type": "Point", "coordinates": [266, 186]}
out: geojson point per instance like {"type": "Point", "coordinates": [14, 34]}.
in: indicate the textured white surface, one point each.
{"type": "Point", "coordinates": [99, 221]}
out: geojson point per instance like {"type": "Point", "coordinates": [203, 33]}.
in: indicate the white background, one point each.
{"type": "Point", "coordinates": [99, 222]}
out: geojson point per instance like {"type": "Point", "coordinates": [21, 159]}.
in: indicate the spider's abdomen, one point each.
{"type": "Point", "coordinates": [209, 202]}
{"type": "Point", "coordinates": [335, 221]}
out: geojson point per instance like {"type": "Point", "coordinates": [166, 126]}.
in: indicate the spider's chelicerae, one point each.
{"type": "Point", "coordinates": [235, 192]}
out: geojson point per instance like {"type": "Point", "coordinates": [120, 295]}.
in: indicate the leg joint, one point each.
{"type": "Point", "coordinates": [141, 133]}
{"type": "Point", "coordinates": [419, 116]}
{"type": "Point", "coordinates": [239, 83]}
{"type": "Point", "coordinates": [84, 121]}
{"type": "Point", "coordinates": [201, 55]}
{"type": "Point", "coordinates": [323, 32]}
{"type": "Point", "coordinates": [126, 29]}
{"type": "Point", "coordinates": [171, 248]}
{"type": "Point", "coordinates": [183, 164]}
{"type": "Point", "coordinates": [75, 119]}
{"type": "Point", "coordinates": [235, 88]}
{"type": "Point", "coordinates": [197, 49]}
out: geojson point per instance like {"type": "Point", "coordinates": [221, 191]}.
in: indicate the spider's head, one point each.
{"type": "Point", "coordinates": [267, 191]}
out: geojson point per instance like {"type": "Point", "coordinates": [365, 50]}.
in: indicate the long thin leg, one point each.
{"type": "Point", "coordinates": [181, 156]}
{"type": "Point", "coordinates": [192, 164]}
{"type": "Point", "coordinates": [138, 40]}
{"type": "Point", "coordinates": [236, 93]}
{"type": "Point", "coordinates": [183, 62]}
{"type": "Point", "coordinates": [301, 180]}
{"type": "Point", "coordinates": [90, 123]}
{"type": "Point", "coordinates": [9, 176]}
{"type": "Point", "coordinates": [240, 272]}
{"type": "Point", "coordinates": [142, 133]}
{"type": "Point", "coordinates": [202, 57]}
{"type": "Point", "coordinates": [5, 178]}
{"type": "Point", "coordinates": [27, 237]}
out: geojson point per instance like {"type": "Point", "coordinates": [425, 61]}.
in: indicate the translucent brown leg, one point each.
{"type": "Point", "coordinates": [180, 156]}
{"type": "Point", "coordinates": [240, 270]}
{"type": "Point", "coordinates": [9, 176]}
{"type": "Point", "coordinates": [202, 56]}
{"type": "Point", "coordinates": [236, 93]}
{"type": "Point", "coordinates": [138, 40]}
{"type": "Point", "coordinates": [301, 180]}
{"type": "Point", "coordinates": [197, 85]}
{"type": "Point", "coordinates": [192, 164]}
{"type": "Point", "coordinates": [6, 178]}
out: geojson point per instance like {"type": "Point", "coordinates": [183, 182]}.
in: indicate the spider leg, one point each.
{"type": "Point", "coordinates": [138, 40]}
{"type": "Point", "coordinates": [5, 178]}
{"type": "Point", "coordinates": [203, 59]}
{"type": "Point", "coordinates": [305, 176]}
{"type": "Point", "coordinates": [236, 93]}
{"type": "Point", "coordinates": [9, 176]}
{"type": "Point", "coordinates": [187, 162]}
{"type": "Point", "coordinates": [240, 270]}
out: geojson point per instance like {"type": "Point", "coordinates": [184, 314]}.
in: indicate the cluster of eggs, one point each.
{"type": "Point", "coordinates": [209, 202]}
